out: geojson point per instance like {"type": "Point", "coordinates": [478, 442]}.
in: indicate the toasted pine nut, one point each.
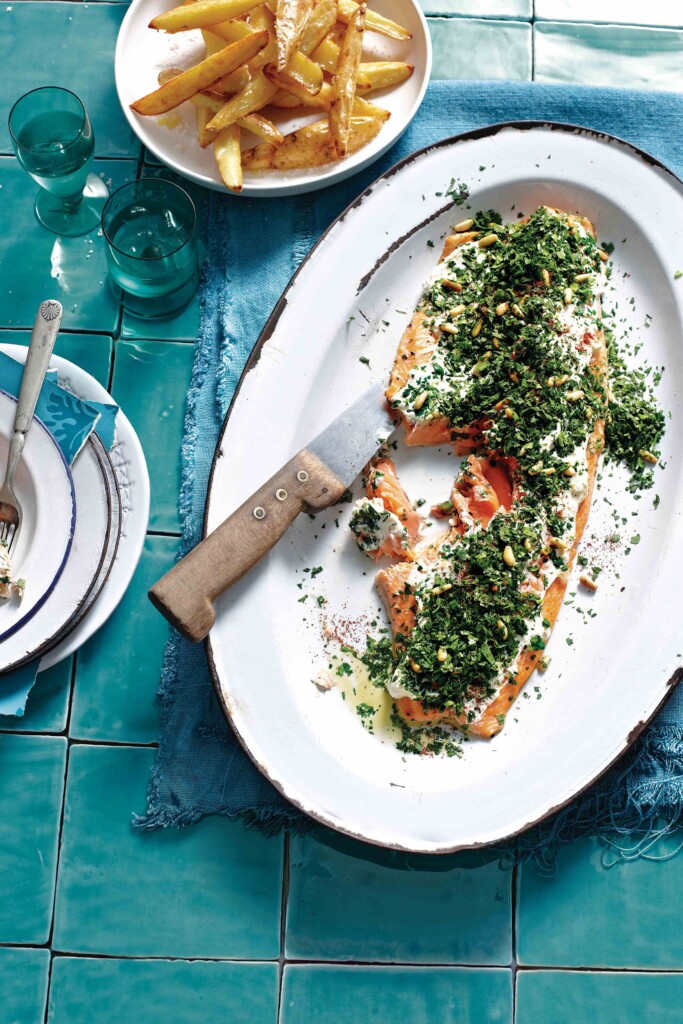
{"type": "Point", "coordinates": [464, 225]}
{"type": "Point", "coordinates": [574, 396]}
{"type": "Point", "coordinates": [502, 308]}
{"type": "Point", "coordinates": [503, 628]}
{"type": "Point", "coordinates": [550, 382]}
{"type": "Point", "coordinates": [441, 654]}
{"type": "Point", "coordinates": [517, 309]}
{"type": "Point", "coordinates": [514, 376]}
{"type": "Point", "coordinates": [454, 286]}
{"type": "Point", "coordinates": [420, 400]}
{"type": "Point", "coordinates": [415, 667]}
{"type": "Point", "coordinates": [546, 277]}
{"type": "Point", "coordinates": [476, 330]}
{"type": "Point", "coordinates": [583, 277]}
{"type": "Point", "coordinates": [487, 240]}
{"type": "Point", "coordinates": [604, 256]}
{"type": "Point", "coordinates": [457, 310]}
{"type": "Point", "coordinates": [550, 471]}
{"type": "Point", "coordinates": [559, 381]}
{"type": "Point", "coordinates": [527, 544]}
{"type": "Point", "coordinates": [509, 414]}
{"type": "Point", "coordinates": [568, 296]}
{"type": "Point", "coordinates": [647, 456]}
{"type": "Point", "coordinates": [495, 343]}
{"type": "Point", "coordinates": [536, 469]}
{"type": "Point", "coordinates": [588, 583]}
{"type": "Point", "coordinates": [509, 556]}
{"type": "Point", "coordinates": [543, 664]}
{"type": "Point", "coordinates": [558, 544]}
{"type": "Point", "coordinates": [569, 471]}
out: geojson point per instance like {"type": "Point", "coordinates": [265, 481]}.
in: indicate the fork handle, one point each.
{"type": "Point", "coordinates": [45, 329]}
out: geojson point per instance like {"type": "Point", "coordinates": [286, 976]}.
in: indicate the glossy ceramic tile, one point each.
{"type": "Point", "coordinates": [479, 49]}
{"type": "Point", "coordinates": [628, 12]}
{"type": "Point", "coordinates": [590, 916]}
{"type": "Point", "coordinates": [212, 890]}
{"type": "Point", "coordinates": [161, 992]}
{"type": "Point", "coordinates": [23, 985]}
{"type": "Point", "coordinates": [71, 45]}
{"type": "Point", "coordinates": [569, 997]}
{"type": "Point", "coordinates": [48, 702]}
{"type": "Point", "coordinates": [183, 327]}
{"type": "Point", "coordinates": [151, 379]}
{"type": "Point", "coordinates": [92, 352]}
{"type": "Point", "coordinates": [395, 995]}
{"type": "Point", "coordinates": [616, 55]}
{"type": "Point", "coordinates": [349, 901]}
{"type": "Point", "coordinates": [120, 666]}
{"type": "Point", "coordinates": [35, 264]}
{"type": "Point", "coordinates": [32, 774]}
{"type": "Point", "coordinates": [479, 8]}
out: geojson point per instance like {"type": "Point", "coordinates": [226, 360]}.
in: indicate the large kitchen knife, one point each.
{"type": "Point", "coordinates": [313, 479]}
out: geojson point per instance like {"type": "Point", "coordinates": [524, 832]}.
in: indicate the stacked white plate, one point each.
{"type": "Point", "coordinates": [82, 532]}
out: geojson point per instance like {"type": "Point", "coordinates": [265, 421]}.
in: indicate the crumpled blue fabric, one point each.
{"type": "Point", "coordinates": [254, 246]}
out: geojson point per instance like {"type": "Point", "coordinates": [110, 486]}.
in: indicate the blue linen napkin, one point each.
{"type": "Point", "coordinates": [70, 420]}
{"type": "Point", "coordinates": [200, 768]}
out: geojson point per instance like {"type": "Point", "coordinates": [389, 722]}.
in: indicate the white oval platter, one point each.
{"type": "Point", "coordinates": [266, 646]}
{"type": "Point", "coordinates": [141, 53]}
{"type": "Point", "coordinates": [130, 468]}
{"type": "Point", "coordinates": [45, 490]}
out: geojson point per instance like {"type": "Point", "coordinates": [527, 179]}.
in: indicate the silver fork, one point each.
{"type": "Point", "coordinates": [43, 337]}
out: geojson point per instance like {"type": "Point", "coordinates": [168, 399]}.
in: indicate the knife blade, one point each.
{"type": "Point", "coordinates": [313, 479]}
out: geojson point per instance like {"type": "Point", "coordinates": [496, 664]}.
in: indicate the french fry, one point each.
{"type": "Point", "coordinates": [286, 100]}
{"type": "Point", "coordinates": [326, 56]}
{"type": "Point", "coordinates": [382, 74]}
{"type": "Point", "coordinates": [203, 115]}
{"type": "Point", "coordinates": [321, 21]}
{"type": "Point", "coordinates": [291, 20]}
{"type": "Point", "coordinates": [198, 78]}
{"type": "Point", "coordinates": [257, 94]}
{"type": "Point", "coordinates": [201, 14]}
{"type": "Point", "coordinates": [262, 127]}
{"type": "Point", "coordinates": [322, 100]}
{"type": "Point", "coordinates": [344, 81]}
{"type": "Point", "coordinates": [311, 146]}
{"type": "Point", "coordinates": [374, 22]}
{"type": "Point", "coordinates": [228, 153]}
{"type": "Point", "coordinates": [214, 42]}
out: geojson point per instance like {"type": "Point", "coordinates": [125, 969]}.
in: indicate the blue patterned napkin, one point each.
{"type": "Point", "coordinates": [200, 768]}
{"type": "Point", "coordinates": [71, 422]}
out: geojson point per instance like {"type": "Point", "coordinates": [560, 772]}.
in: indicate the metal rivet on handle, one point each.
{"type": "Point", "coordinates": [281, 494]}
{"type": "Point", "coordinates": [259, 512]}
{"type": "Point", "coordinates": [302, 476]}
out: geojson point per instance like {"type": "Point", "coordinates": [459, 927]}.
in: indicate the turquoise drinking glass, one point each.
{"type": "Point", "coordinates": [149, 227]}
{"type": "Point", "coordinates": [54, 143]}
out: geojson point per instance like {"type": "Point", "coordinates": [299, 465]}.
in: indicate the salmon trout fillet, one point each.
{"type": "Point", "coordinates": [506, 360]}
{"type": "Point", "coordinates": [385, 522]}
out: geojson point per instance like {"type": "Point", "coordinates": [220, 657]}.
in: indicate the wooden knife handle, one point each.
{"type": "Point", "coordinates": [185, 595]}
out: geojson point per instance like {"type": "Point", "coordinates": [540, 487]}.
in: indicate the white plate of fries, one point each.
{"type": "Point", "coordinates": [273, 98]}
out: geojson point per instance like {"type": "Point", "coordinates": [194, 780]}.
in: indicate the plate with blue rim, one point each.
{"type": "Point", "coordinates": [45, 489]}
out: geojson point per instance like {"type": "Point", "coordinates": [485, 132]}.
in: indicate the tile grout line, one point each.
{"type": "Point", "coordinates": [286, 845]}
{"type": "Point", "coordinates": [513, 938]}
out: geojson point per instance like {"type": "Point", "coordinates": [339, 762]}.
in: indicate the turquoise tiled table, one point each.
{"type": "Point", "coordinates": [216, 924]}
